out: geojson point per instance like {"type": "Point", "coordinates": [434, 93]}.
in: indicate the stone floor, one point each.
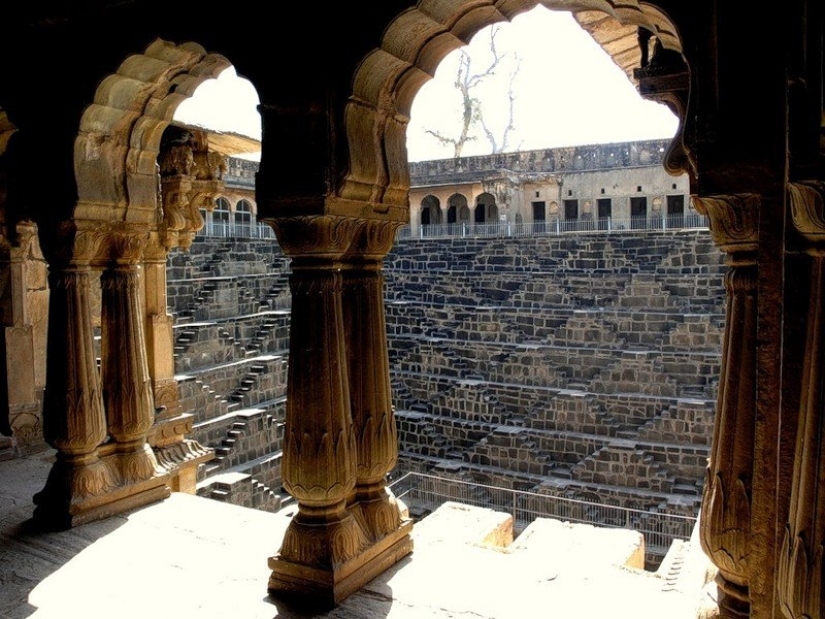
{"type": "Point", "coordinates": [190, 557]}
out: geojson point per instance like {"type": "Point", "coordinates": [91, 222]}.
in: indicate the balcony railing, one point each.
{"type": "Point", "coordinates": [428, 492]}
{"type": "Point", "coordinates": [222, 229]}
{"type": "Point", "coordinates": [604, 225]}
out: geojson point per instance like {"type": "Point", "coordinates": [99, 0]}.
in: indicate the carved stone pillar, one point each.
{"type": "Point", "coordinates": [373, 504]}
{"type": "Point", "coordinates": [125, 372]}
{"type": "Point", "coordinates": [725, 522]}
{"type": "Point", "coordinates": [327, 554]}
{"type": "Point", "coordinates": [800, 564]}
{"type": "Point", "coordinates": [74, 418]}
{"type": "Point", "coordinates": [98, 424]}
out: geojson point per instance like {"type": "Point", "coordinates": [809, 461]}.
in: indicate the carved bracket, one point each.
{"type": "Point", "coordinates": [733, 220]}
{"type": "Point", "coordinates": [807, 199]}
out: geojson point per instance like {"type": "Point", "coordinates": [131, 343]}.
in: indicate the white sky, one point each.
{"type": "Point", "coordinates": [568, 92]}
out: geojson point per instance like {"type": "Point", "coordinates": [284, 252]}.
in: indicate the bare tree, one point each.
{"type": "Point", "coordinates": [467, 83]}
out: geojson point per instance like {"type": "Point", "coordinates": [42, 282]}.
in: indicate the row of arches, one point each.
{"type": "Point", "coordinates": [236, 217]}
{"type": "Point", "coordinates": [457, 210]}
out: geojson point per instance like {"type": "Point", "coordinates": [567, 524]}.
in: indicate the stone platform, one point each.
{"type": "Point", "coordinates": [190, 557]}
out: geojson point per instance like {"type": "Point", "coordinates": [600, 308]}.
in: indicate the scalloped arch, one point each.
{"type": "Point", "coordinates": [387, 80]}
{"type": "Point", "coordinates": [116, 149]}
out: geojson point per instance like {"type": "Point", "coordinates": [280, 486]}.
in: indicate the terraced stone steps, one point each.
{"type": "Point", "coordinates": [584, 344]}
{"type": "Point", "coordinates": [241, 436]}
{"type": "Point", "coordinates": [593, 327]}
{"type": "Point", "coordinates": [671, 374]}
{"type": "Point", "coordinates": [550, 346]}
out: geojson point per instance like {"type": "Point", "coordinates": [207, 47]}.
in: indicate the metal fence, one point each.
{"type": "Point", "coordinates": [608, 225]}
{"type": "Point", "coordinates": [605, 225]}
{"type": "Point", "coordinates": [427, 492]}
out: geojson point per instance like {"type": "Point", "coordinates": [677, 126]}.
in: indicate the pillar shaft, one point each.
{"type": "Point", "coordinates": [370, 392]}
{"type": "Point", "coordinates": [800, 570]}
{"type": "Point", "coordinates": [725, 522]}
{"type": "Point", "coordinates": [340, 433]}
{"type": "Point", "coordinates": [75, 422]}
{"type": "Point", "coordinates": [74, 418]}
{"type": "Point", "coordinates": [125, 372]}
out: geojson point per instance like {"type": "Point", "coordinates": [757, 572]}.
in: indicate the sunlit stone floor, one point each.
{"type": "Point", "coordinates": [190, 557]}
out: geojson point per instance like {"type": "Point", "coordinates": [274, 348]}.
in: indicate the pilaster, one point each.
{"type": "Point", "coordinates": [177, 455]}
{"type": "Point", "coordinates": [725, 521]}
{"type": "Point", "coordinates": [191, 177]}
{"type": "Point", "coordinates": [24, 334]}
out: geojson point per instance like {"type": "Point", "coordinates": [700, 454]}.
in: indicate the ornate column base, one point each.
{"type": "Point", "coordinates": [378, 511]}
{"type": "Point", "coordinates": [327, 587]}
{"type": "Point", "coordinates": [87, 488]}
{"type": "Point", "coordinates": [732, 600]}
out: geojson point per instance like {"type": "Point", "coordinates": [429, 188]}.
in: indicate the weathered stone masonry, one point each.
{"type": "Point", "coordinates": [584, 367]}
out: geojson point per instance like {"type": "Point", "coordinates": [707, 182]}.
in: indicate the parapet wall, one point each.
{"type": "Point", "coordinates": [550, 160]}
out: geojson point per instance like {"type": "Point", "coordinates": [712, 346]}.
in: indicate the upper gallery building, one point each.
{"type": "Point", "coordinates": [600, 186]}
{"type": "Point", "coordinates": [87, 91]}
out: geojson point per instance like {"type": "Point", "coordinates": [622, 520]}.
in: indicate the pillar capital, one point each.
{"type": "Point", "coordinates": [733, 221]}
{"type": "Point", "coordinates": [807, 201]}
{"type": "Point", "coordinates": [334, 237]}
{"type": "Point", "coordinates": [99, 243]}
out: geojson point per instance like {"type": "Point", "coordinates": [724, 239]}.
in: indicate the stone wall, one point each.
{"type": "Point", "coordinates": [581, 367]}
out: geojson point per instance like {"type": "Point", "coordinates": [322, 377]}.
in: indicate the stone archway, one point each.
{"type": "Point", "coordinates": [388, 79]}
{"type": "Point", "coordinates": [349, 224]}
{"type": "Point", "coordinates": [114, 249]}
{"type": "Point", "coordinates": [332, 485]}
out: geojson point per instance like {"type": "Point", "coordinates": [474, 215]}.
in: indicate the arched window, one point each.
{"type": "Point", "coordinates": [430, 211]}
{"type": "Point", "coordinates": [220, 218]}
{"type": "Point", "coordinates": [243, 219]}
{"type": "Point", "coordinates": [457, 211]}
{"type": "Point", "coordinates": [486, 211]}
